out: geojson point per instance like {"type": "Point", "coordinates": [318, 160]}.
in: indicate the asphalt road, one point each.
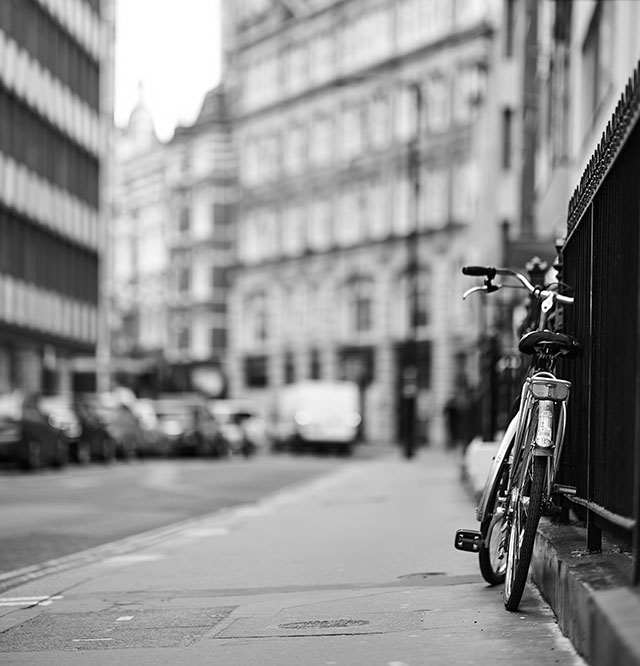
{"type": "Point", "coordinates": [355, 568]}
{"type": "Point", "coordinates": [57, 513]}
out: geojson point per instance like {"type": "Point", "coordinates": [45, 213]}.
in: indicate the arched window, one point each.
{"type": "Point", "coordinates": [412, 308]}
{"type": "Point", "coordinates": [256, 319]}
{"type": "Point", "coordinates": [359, 305]}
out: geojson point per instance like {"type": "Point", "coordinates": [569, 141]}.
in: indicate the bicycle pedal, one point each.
{"type": "Point", "coordinates": [469, 540]}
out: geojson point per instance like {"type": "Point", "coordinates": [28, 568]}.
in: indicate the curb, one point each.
{"type": "Point", "coordinates": [589, 593]}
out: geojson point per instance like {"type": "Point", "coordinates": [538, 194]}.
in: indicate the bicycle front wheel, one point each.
{"type": "Point", "coordinates": [492, 554]}
{"type": "Point", "coordinates": [526, 508]}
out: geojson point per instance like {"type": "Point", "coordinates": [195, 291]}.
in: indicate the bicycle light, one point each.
{"type": "Point", "coordinates": [549, 389]}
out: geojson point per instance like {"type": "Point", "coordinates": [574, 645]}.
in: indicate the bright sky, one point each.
{"type": "Point", "coordinates": [172, 48]}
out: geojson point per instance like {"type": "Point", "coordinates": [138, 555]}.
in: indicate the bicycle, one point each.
{"type": "Point", "coordinates": [520, 485]}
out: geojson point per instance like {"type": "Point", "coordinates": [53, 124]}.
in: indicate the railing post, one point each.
{"type": "Point", "coordinates": [635, 539]}
{"type": "Point", "coordinates": [594, 533]}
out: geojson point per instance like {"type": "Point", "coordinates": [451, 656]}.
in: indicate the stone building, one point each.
{"type": "Point", "coordinates": [379, 152]}
{"type": "Point", "coordinates": [174, 206]}
{"type": "Point", "coordinates": [56, 61]}
{"type": "Point", "coordinates": [587, 51]}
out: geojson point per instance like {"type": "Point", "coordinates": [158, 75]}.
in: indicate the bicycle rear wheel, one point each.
{"type": "Point", "coordinates": [526, 509]}
{"type": "Point", "coordinates": [492, 554]}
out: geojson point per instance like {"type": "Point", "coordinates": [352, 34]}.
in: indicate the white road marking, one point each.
{"type": "Point", "coordinates": [89, 640]}
{"type": "Point", "coordinates": [207, 531]}
{"type": "Point", "coordinates": [119, 560]}
{"type": "Point", "coordinates": [125, 618]}
{"type": "Point", "coordinates": [28, 601]}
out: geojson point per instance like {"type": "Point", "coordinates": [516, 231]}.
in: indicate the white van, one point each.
{"type": "Point", "coordinates": [318, 414]}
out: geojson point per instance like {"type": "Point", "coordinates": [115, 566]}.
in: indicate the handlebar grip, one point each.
{"type": "Point", "coordinates": [479, 271]}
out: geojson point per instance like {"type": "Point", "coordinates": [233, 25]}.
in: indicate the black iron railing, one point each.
{"type": "Point", "coordinates": [601, 263]}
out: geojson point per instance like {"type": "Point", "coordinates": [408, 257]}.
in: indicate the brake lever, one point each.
{"type": "Point", "coordinates": [489, 288]}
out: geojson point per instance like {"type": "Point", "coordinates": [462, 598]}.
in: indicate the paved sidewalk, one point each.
{"type": "Point", "coordinates": [590, 593]}
{"type": "Point", "coordinates": [354, 568]}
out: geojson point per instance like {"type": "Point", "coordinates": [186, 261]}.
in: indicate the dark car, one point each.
{"type": "Point", "coordinates": [242, 425]}
{"type": "Point", "coordinates": [102, 446]}
{"type": "Point", "coordinates": [156, 444]}
{"type": "Point", "coordinates": [188, 426]}
{"type": "Point", "coordinates": [118, 421]}
{"type": "Point", "coordinates": [27, 437]}
{"type": "Point", "coordinates": [61, 415]}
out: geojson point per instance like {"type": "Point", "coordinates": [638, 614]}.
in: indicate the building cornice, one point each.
{"type": "Point", "coordinates": [385, 71]}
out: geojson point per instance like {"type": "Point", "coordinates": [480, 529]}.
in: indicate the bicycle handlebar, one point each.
{"type": "Point", "coordinates": [490, 272]}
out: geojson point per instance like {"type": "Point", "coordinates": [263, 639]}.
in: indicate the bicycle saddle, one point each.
{"type": "Point", "coordinates": [564, 344]}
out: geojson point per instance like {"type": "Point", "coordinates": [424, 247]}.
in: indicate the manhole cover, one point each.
{"type": "Point", "coordinates": [323, 624]}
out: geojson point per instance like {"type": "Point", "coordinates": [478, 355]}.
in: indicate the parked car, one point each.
{"type": "Point", "coordinates": [188, 426]}
{"type": "Point", "coordinates": [155, 441]}
{"type": "Point", "coordinates": [119, 422]}
{"type": "Point", "coordinates": [61, 415]}
{"type": "Point", "coordinates": [318, 415]}
{"type": "Point", "coordinates": [26, 435]}
{"type": "Point", "coordinates": [241, 424]}
{"type": "Point", "coordinates": [95, 431]}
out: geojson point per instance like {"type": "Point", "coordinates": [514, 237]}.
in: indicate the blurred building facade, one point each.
{"type": "Point", "coordinates": [588, 51]}
{"type": "Point", "coordinates": [562, 69]}
{"type": "Point", "coordinates": [56, 63]}
{"type": "Point", "coordinates": [328, 124]}
{"type": "Point", "coordinates": [174, 206]}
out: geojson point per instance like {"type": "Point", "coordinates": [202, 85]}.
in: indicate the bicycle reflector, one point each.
{"type": "Point", "coordinates": [549, 389]}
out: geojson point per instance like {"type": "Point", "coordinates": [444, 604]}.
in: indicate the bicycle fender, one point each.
{"type": "Point", "coordinates": [502, 453]}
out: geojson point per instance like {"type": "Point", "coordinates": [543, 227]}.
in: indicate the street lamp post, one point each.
{"type": "Point", "coordinates": [410, 359]}
{"type": "Point", "coordinates": [411, 367]}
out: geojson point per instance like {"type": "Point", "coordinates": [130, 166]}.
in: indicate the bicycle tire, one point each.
{"type": "Point", "coordinates": [492, 557]}
{"type": "Point", "coordinates": [522, 534]}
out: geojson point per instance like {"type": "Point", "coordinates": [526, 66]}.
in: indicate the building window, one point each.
{"type": "Point", "coordinates": [218, 338]}
{"type": "Point", "coordinates": [507, 138]}
{"type": "Point", "coordinates": [255, 371]}
{"type": "Point", "coordinates": [256, 319]}
{"type": "Point", "coordinates": [293, 230]}
{"type": "Point", "coordinates": [509, 27]}
{"type": "Point", "coordinates": [184, 220]}
{"type": "Point", "coordinates": [470, 85]}
{"type": "Point", "coordinates": [183, 338]}
{"type": "Point", "coordinates": [438, 103]}
{"type": "Point", "coordinates": [435, 198]}
{"type": "Point", "coordinates": [405, 113]}
{"type": "Point", "coordinates": [402, 202]}
{"type": "Point", "coordinates": [321, 146]}
{"type": "Point", "coordinates": [319, 233]}
{"type": "Point", "coordinates": [359, 303]}
{"type": "Point", "coordinates": [597, 54]}
{"type": "Point", "coordinates": [184, 280]}
{"type": "Point", "coordinates": [379, 118]}
{"type": "Point", "coordinates": [348, 222]}
{"type": "Point", "coordinates": [295, 149]}
{"type": "Point", "coordinates": [289, 368]}
{"type": "Point", "coordinates": [316, 366]}
{"type": "Point", "coordinates": [465, 187]}
{"type": "Point", "coordinates": [351, 132]}
{"type": "Point", "coordinates": [321, 60]}
{"type": "Point", "coordinates": [413, 303]}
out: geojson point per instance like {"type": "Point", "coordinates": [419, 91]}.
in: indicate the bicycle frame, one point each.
{"type": "Point", "coordinates": [503, 452]}
{"type": "Point", "coordinates": [514, 432]}
{"type": "Point", "coordinates": [520, 484]}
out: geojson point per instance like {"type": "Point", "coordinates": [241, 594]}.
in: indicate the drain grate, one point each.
{"type": "Point", "coordinates": [367, 623]}
{"type": "Point", "coordinates": [323, 624]}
